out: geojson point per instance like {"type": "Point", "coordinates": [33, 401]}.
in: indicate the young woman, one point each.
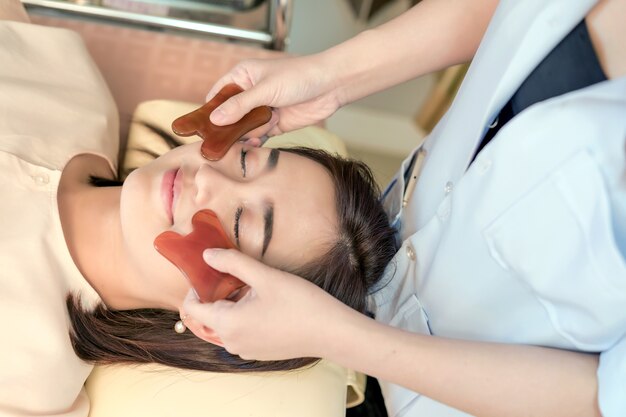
{"type": "Point", "coordinates": [69, 228]}
{"type": "Point", "coordinates": [319, 206]}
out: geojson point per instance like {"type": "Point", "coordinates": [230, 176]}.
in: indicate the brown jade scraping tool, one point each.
{"type": "Point", "coordinates": [219, 139]}
{"type": "Point", "coordinates": [186, 253]}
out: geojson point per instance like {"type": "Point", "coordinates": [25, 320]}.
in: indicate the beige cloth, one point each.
{"type": "Point", "coordinates": [53, 105]}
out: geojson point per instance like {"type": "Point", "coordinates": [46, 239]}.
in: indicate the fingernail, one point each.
{"type": "Point", "coordinates": [218, 116]}
{"type": "Point", "coordinates": [209, 254]}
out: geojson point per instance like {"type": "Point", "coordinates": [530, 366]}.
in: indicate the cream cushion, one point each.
{"type": "Point", "coordinates": [324, 389]}
{"type": "Point", "coordinates": [143, 144]}
{"type": "Point", "coordinates": [154, 390]}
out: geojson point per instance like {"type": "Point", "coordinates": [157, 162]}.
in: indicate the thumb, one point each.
{"type": "Point", "coordinates": [206, 314]}
{"type": "Point", "coordinates": [233, 109]}
{"type": "Point", "coordinates": [239, 265]}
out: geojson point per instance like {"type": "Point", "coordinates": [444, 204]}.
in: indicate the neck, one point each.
{"type": "Point", "coordinates": [90, 217]}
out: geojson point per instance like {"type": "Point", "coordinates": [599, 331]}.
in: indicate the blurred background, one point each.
{"type": "Point", "coordinates": [379, 129]}
{"type": "Point", "coordinates": [176, 49]}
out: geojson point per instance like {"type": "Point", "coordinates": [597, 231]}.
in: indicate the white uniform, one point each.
{"type": "Point", "coordinates": [528, 243]}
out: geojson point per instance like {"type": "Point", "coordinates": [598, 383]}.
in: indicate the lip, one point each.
{"type": "Point", "coordinates": [167, 192]}
{"type": "Point", "coordinates": [176, 188]}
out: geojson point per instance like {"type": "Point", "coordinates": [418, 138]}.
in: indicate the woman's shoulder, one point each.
{"type": "Point", "coordinates": [55, 101]}
{"type": "Point", "coordinates": [80, 168]}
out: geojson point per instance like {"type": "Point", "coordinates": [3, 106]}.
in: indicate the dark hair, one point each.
{"type": "Point", "coordinates": [348, 270]}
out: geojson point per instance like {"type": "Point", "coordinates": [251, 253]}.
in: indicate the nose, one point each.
{"type": "Point", "coordinates": [214, 187]}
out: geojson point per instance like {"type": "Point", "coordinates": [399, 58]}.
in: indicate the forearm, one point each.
{"type": "Point", "coordinates": [433, 35]}
{"type": "Point", "coordinates": [483, 379]}
{"type": "Point", "coordinates": [13, 10]}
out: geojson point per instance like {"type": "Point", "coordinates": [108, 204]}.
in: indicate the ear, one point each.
{"type": "Point", "coordinates": [205, 333]}
{"type": "Point", "coordinates": [201, 331]}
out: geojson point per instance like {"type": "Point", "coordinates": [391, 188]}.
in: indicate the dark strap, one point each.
{"type": "Point", "coordinates": [572, 65]}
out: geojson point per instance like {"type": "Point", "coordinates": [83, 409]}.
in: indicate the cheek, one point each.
{"type": "Point", "coordinates": [134, 191]}
{"type": "Point", "coordinates": [141, 205]}
{"type": "Point", "coordinates": [139, 230]}
{"type": "Point", "coordinates": [141, 224]}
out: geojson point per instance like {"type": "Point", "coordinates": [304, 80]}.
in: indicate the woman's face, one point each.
{"type": "Point", "coordinates": [275, 206]}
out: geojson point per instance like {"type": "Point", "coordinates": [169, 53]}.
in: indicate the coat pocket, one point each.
{"type": "Point", "coordinates": [558, 240]}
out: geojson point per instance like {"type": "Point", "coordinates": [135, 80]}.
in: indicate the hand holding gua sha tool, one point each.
{"type": "Point", "coordinates": [217, 140]}
{"type": "Point", "coordinates": [186, 253]}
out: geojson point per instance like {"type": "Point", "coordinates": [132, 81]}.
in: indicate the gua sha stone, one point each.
{"type": "Point", "coordinates": [186, 253]}
{"type": "Point", "coordinates": [217, 140]}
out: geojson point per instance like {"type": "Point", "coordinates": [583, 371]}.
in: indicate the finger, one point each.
{"type": "Point", "coordinates": [265, 129]}
{"type": "Point", "coordinates": [191, 296]}
{"type": "Point", "coordinates": [233, 109]}
{"type": "Point", "coordinates": [239, 75]}
{"type": "Point", "coordinates": [275, 131]}
{"type": "Point", "coordinates": [192, 324]}
{"type": "Point", "coordinates": [196, 310]}
{"type": "Point", "coordinates": [203, 314]}
{"type": "Point", "coordinates": [219, 84]}
{"type": "Point", "coordinates": [233, 262]}
{"type": "Point", "coordinates": [193, 307]}
{"type": "Point", "coordinates": [254, 142]}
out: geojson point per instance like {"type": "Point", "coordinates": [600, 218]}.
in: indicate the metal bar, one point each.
{"type": "Point", "coordinates": [263, 38]}
{"type": "Point", "coordinates": [280, 13]}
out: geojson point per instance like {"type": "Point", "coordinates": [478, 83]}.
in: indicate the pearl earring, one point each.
{"type": "Point", "coordinates": [180, 327]}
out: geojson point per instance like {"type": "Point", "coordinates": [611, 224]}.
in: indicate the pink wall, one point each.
{"type": "Point", "coordinates": [141, 65]}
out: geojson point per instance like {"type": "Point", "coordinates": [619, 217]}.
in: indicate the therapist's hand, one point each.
{"type": "Point", "coordinates": [301, 91]}
{"type": "Point", "coordinates": [282, 316]}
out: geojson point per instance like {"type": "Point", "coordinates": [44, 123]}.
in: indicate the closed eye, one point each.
{"type": "Point", "coordinates": [243, 162]}
{"type": "Point", "coordinates": [236, 227]}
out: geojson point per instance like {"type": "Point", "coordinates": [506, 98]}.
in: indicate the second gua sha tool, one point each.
{"type": "Point", "coordinates": [186, 253]}
{"type": "Point", "coordinates": [217, 140]}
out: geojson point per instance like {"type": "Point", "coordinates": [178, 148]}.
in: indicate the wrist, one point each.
{"type": "Point", "coordinates": [349, 67]}
{"type": "Point", "coordinates": [346, 334]}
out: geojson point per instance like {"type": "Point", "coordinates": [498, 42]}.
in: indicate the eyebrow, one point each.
{"type": "Point", "coordinates": [268, 224]}
{"type": "Point", "coordinates": [268, 214]}
{"type": "Point", "coordinates": [272, 160]}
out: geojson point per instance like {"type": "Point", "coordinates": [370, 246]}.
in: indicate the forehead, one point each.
{"type": "Point", "coordinates": [305, 215]}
